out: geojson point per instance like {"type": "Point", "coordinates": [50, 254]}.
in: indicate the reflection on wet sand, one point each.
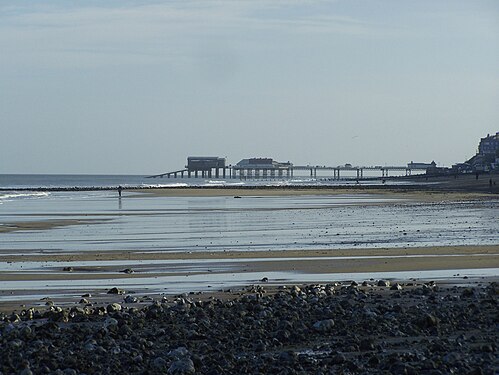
{"type": "Point", "coordinates": [81, 242]}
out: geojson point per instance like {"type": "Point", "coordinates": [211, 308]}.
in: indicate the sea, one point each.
{"type": "Point", "coordinates": [102, 182]}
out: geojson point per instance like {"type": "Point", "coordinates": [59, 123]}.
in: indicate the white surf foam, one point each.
{"type": "Point", "coordinates": [5, 196]}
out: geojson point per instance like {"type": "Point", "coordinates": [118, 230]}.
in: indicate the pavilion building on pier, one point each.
{"type": "Point", "coordinates": [262, 168]}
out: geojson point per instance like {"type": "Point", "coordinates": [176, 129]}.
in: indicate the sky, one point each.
{"type": "Point", "coordinates": [135, 87]}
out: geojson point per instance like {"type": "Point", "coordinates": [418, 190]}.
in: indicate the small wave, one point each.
{"type": "Point", "coordinates": [178, 184]}
{"type": "Point", "coordinates": [215, 182]}
{"type": "Point", "coordinates": [222, 183]}
{"type": "Point", "coordinates": [23, 195]}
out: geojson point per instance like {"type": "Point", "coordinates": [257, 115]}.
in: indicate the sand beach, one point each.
{"type": "Point", "coordinates": [301, 296]}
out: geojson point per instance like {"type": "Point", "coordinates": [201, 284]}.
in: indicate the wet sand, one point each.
{"type": "Point", "coordinates": [369, 310]}
{"type": "Point", "coordinates": [423, 193]}
{"type": "Point", "coordinates": [76, 267]}
{"type": "Point", "coordinates": [328, 265]}
{"type": "Point", "coordinates": [42, 225]}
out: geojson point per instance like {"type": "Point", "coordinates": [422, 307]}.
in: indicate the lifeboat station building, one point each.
{"type": "Point", "coordinates": [205, 166]}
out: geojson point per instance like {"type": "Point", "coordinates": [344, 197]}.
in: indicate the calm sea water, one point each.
{"type": "Point", "coordinates": [38, 181]}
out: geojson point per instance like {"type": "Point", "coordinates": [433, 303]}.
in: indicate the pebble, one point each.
{"type": "Point", "coordinates": [115, 291]}
{"type": "Point", "coordinates": [324, 325]}
{"type": "Point", "coordinates": [183, 366]}
{"type": "Point", "coordinates": [384, 283]}
{"type": "Point", "coordinates": [396, 286]}
{"type": "Point", "coordinates": [113, 307]}
{"type": "Point", "coordinates": [130, 299]}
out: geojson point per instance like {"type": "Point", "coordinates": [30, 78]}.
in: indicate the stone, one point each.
{"type": "Point", "coordinates": [467, 292]}
{"type": "Point", "coordinates": [131, 299]}
{"type": "Point", "coordinates": [109, 322]}
{"type": "Point", "coordinates": [366, 345]}
{"type": "Point", "coordinates": [396, 286]}
{"type": "Point", "coordinates": [324, 325]}
{"type": "Point", "coordinates": [113, 307]}
{"type": "Point", "coordinates": [183, 366]}
{"type": "Point", "coordinates": [158, 363]}
{"type": "Point", "coordinates": [26, 371]}
{"type": "Point", "coordinates": [180, 352]}
{"type": "Point", "coordinates": [429, 320]}
{"type": "Point", "coordinates": [384, 283]}
{"type": "Point", "coordinates": [115, 291]}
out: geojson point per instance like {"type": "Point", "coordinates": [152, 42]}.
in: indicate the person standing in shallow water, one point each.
{"type": "Point", "coordinates": [119, 190]}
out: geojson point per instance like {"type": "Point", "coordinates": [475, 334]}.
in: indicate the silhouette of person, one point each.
{"type": "Point", "coordinates": [119, 190]}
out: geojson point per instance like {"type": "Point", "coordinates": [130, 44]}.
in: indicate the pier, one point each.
{"type": "Point", "coordinates": [359, 170]}
{"type": "Point", "coordinates": [267, 168]}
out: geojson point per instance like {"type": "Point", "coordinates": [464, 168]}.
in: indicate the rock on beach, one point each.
{"type": "Point", "coordinates": [319, 329]}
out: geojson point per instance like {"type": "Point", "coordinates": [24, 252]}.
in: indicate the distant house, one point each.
{"type": "Point", "coordinates": [487, 158]}
{"type": "Point", "coordinates": [462, 168]}
{"type": "Point", "coordinates": [262, 163]}
{"type": "Point", "coordinates": [413, 165]}
{"type": "Point", "coordinates": [262, 167]}
{"type": "Point", "coordinates": [489, 145]}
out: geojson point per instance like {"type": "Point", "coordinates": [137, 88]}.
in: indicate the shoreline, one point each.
{"type": "Point", "coordinates": [464, 183]}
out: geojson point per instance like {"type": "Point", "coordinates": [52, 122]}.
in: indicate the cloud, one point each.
{"type": "Point", "coordinates": [151, 33]}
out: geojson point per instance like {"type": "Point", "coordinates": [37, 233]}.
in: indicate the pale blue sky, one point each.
{"type": "Point", "coordinates": [137, 86]}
